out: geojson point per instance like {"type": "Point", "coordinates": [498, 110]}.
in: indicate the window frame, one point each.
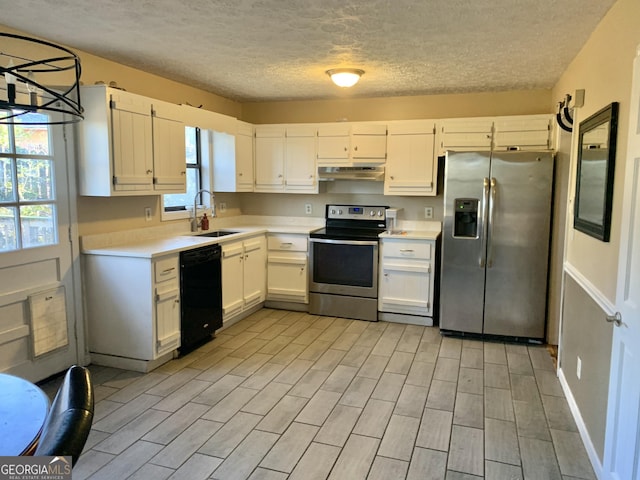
{"type": "Point", "coordinates": [17, 203]}
{"type": "Point", "coordinates": [184, 211]}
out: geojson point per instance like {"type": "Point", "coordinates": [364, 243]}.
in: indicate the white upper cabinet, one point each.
{"type": "Point", "coordinates": [411, 167]}
{"type": "Point", "coordinates": [232, 159]}
{"type": "Point", "coordinates": [346, 144]}
{"type": "Point", "coordinates": [522, 132]}
{"type": "Point", "coordinates": [333, 144]}
{"type": "Point", "coordinates": [169, 154]}
{"type": "Point", "coordinates": [244, 157]}
{"type": "Point", "coordinates": [116, 145]}
{"type": "Point", "coordinates": [515, 132]}
{"type": "Point", "coordinates": [300, 159]}
{"type": "Point", "coordinates": [368, 143]}
{"type": "Point", "coordinates": [465, 134]}
{"type": "Point", "coordinates": [285, 159]}
{"type": "Point", "coordinates": [269, 158]}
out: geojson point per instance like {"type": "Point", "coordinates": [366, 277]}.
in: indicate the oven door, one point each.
{"type": "Point", "coordinates": [344, 267]}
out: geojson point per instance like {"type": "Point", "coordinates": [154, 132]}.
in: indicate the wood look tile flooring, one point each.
{"type": "Point", "coordinates": [287, 395]}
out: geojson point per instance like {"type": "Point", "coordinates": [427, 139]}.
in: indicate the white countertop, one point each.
{"type": "Point", "coordinates": [155, 247]}
{"type": "Point", "coordinates": [411, 234]}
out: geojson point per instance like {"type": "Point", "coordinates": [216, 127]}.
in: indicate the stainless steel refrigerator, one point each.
{"type": "Point", "coordinates": [495, 243]}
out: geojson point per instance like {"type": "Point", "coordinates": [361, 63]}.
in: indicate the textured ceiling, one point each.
{"type": "Point", "coordinates": [252, 50]}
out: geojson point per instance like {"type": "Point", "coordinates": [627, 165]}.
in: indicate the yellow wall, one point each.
{"type": "Point", "coordinates": [524, 102]}
{"type": "Point", "coordinates": [603, 69]}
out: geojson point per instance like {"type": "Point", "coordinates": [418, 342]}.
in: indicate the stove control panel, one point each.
{"type": "Point", "coordinates": [356, 212]}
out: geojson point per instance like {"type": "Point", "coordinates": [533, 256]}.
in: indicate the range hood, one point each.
{"type": "Point", "coordinates": [375, 174]}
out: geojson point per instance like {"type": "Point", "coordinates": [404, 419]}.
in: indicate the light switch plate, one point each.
{"type": "Point", "coordinates": [307, 209]}
{"type": "Point", "coordinates": [147, 214]}
{"type": "Point", "coordinates": [428, 212]}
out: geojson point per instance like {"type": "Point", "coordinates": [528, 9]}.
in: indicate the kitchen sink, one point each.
{"type": "Point", "coordinates": [216, 233]}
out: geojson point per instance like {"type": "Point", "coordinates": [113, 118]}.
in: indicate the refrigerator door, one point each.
{"type": "Point", "coordinates": [463, 247]}
{"type": "Point", "coordinates": [518, 244]}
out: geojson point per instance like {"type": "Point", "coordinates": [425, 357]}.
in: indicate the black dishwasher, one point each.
{"type": "Point", "coordinates": [200, 295]}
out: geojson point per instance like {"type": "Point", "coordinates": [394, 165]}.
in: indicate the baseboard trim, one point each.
{"type": "Point", "coordinates": [582, 428]}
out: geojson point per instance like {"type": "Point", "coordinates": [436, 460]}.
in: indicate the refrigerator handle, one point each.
{"type": "Point", "coordinates": [482, 226]}
{"type": "Point", "coordinates": [492, 202]}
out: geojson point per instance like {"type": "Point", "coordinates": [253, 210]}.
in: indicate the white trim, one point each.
{"type": "Point", "coordinates": [582, 428]}
{"type": "Point", "coordinates": [603, 302]}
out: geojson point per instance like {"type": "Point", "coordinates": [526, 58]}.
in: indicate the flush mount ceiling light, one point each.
{"type": "Point", "coordinates": [345, 77]}
{"type": "Point", "coordinates": [39, 82]}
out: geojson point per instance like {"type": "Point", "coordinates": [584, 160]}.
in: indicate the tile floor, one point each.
{"type": "Point", "coordinates": [287, 395]}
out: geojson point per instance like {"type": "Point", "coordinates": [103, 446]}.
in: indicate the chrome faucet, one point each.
{"type": "Point", "coordinates": [194, 221]}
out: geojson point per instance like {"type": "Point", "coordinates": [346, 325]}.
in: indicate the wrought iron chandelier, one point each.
{"type": "Point", "coordinates": [38, 77]}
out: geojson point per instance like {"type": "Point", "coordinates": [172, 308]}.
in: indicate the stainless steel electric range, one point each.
{"type": "Point", "coordinates": [344, 262]}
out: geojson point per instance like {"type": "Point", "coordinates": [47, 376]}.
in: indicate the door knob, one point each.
{"type": "Point", "coordinates": [616, 319]}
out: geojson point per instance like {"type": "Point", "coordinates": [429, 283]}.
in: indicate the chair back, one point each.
{"type": "Point", "coordinates": [69, 420]}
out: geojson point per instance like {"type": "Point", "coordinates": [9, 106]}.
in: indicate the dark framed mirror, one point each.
{"type": "Point", "coordinates": [594, 177]}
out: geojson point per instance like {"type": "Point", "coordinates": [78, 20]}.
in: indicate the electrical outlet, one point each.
{"type": "Point", "coordinates": [147, 214]}
{"type": "Point", "coordinates": [428, 212]}
{"type": "Point", "coordinates": [307, 209]}
{"type": "Point", "coordinates": [223, 207]}
{"type": "Point", "coordinates": [579, 368]}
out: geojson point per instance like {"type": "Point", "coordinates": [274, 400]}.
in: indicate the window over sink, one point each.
{"type": "Point", "coordinates": [176, 205]}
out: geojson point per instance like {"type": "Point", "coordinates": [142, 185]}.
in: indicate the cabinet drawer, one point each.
{"type": "Point", "coordinates": [407, 249]}
{"type": "Point", "coordinates": [287, 242]}
{"type": "Point", "coordinates": [166, 269]}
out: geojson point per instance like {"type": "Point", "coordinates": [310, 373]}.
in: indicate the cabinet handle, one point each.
{"type": "Point", "coordinates": [345, 149]}
{"type": "Point", "coordinates": [286, 244]}
{"type": "Point", "coordinates": [183, 173]}
{"type": "Point", "coordinates": [406, 250]}
{"type": "Point", "coordinates": [246, 256]}
{"type": "Point", "coordinates": [168, 270]}
{"type": "Point", "coordinates": [240, 174]}
{"type": "Point", "coordinates": [355, 148]}
{"type": "Point", "coordinates": [149, 172]}
{"type": "Point", "coordinates": [280, 176]}
{"type": "Point", "coordinates": [177, 300]}
{"type": "Point", "coordinates": [391, 177]}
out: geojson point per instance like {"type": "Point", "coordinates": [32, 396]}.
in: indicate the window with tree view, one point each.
{"type": "Point", "coordinates": [27, 192]}
{"type": "Point", "coordinates": [180, 201]}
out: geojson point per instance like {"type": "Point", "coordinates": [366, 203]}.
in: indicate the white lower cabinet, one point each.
{"type": "Point", "coordinates": [243, 275]}
{"type": "Point", "coordinates": [133, 310]}
{"type": "Point", "coordinates": [287, 266]}
{"type": "Point", "coordinates": [406, 277]}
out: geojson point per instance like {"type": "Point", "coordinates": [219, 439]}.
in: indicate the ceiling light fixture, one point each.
{"type": "Point", "coordinates": [41, 90]}
{"type": "Point", "coordinates": [345, 77]}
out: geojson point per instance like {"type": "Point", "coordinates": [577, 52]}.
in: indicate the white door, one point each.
{"type": "Point", "coordinates": [41, 332]}
{"type": "Point", "coordinates": [621, 456]}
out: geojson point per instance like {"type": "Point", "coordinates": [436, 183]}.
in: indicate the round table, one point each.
{"type": "Point", "coordinates": [23, 411]}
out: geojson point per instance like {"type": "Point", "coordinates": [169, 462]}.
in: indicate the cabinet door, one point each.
{"type": "Point", "coordinates": [287, 277]}
{"type": "Point", "coordinates": [132, 142]}
{"type": "Point", "coordinates": [169, 154]}
{"type": "Point", "coordinates": [527, 132]}
{"type": "Point", "coordinates": [411, 168]}
{"type": "Point", "coordinates": [232, 279]}
{"type": "Point", "coordinates": [333, 145]}
{"type": "Point", "coordinates": [269, 154]}
{"type": "Point", "coordinates": [167, 318]}
{"type": "Point", "coordinates": [368, 143]}
{"type": "Point", "coordinates": [255, 272]}
{"type": "Point", "coordinates": [466, 135]}
{"type": "Point", "coordinates": [244, 160]}
{"type": "Point", "coordinates": [300, 160]}
{"type": "Point", "coordinates": [405, 287]}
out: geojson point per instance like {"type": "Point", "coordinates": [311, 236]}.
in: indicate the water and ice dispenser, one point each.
{"type": "Point", "coordinates": [465, 224]}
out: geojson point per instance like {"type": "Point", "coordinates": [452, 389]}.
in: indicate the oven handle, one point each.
{"type": "Point", "coordinates": [344, 242]}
